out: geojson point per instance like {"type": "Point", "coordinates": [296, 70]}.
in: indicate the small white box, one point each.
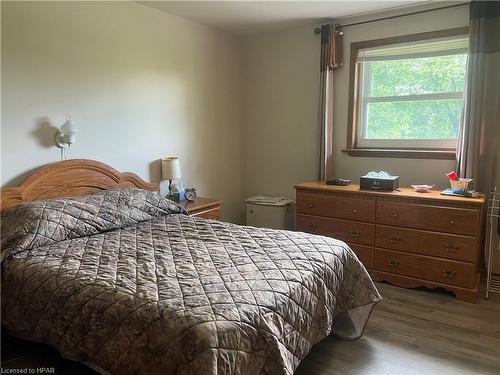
{"type": "Point", "coordinates": [270, 212]}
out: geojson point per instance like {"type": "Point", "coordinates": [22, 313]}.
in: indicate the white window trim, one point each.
{"type": "Point", "coordinates": [363, 142]}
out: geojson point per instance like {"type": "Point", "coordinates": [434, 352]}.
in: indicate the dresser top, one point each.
{"type": "Point", "coordinates": [401, 192]}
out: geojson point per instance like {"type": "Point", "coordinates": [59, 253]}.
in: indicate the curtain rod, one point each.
{"type": "Point", "coordinates": [317, 30]}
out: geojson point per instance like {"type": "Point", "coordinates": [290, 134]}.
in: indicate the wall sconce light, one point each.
{"type": "Point", "coordinates": [66, 136]}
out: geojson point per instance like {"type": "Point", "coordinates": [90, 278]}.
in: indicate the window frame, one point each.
{"type": "Point", "coordinates": [392, 148]}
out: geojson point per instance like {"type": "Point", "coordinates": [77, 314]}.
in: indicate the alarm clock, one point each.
{"type": "Point", "coordinates": [190, 193]}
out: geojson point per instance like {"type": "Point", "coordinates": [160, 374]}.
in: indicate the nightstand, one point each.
{"type": "Point", "coordinates": [206, 208]}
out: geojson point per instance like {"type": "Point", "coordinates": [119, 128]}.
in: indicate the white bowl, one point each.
{"type": "Point", "coordinates": [422, 188]}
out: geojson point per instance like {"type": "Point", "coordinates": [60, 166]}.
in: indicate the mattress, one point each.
{"type": "Point", "coordinates": [126, 280]}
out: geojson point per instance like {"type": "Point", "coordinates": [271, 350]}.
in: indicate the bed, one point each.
{"type": "Point", "coordinates": [96, 264]}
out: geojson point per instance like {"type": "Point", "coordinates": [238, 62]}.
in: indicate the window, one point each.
{"type": "Point", "coordinates": [408, 94]}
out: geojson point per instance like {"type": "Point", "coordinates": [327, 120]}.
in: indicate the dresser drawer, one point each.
{"type": "Point", "coordinates": [440, 219]}
{"type": "Point", "coordinates": [442, 245]}
{"type": "Point", "coordinates": [345, 230]}
{"type": "Point", "coordinates": [424, 267]}
{"type": "Point", "coordinates": [364, 253]}
{"type": "Point", "coordinates": [335, 206]}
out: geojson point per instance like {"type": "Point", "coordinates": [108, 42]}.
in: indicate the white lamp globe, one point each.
{"type": "Point", "coordinates": [69, 131]}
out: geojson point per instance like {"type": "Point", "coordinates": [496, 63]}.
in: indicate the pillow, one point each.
{"type": "Point", "coordinates": [44, 222]}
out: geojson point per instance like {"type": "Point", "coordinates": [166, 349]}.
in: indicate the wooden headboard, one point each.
{"type": "Point", "coordinates": [68, 179]}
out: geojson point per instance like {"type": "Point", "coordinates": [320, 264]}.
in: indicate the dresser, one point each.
{"type": "Point", "coordinates": [206, 208]}
{"type": "Point", "coordinates": [406, 238]}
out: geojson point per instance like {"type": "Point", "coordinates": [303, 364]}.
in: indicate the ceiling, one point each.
{"type": "Point", "coordinates": [254, 17]}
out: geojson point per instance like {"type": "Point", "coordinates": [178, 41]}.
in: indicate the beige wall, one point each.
{"type": "Point", "coordinates": [140, 84]}
{"type": "Point", "coordinates": [280, 83]}
{"type": "Point", "coordinates": [279, 107]}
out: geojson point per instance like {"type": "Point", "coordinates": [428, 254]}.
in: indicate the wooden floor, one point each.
{"type": "Point", "coordinates": [410, 332]}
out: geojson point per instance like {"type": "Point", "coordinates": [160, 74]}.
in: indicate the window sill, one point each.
{"type": "Point", "coordinates": [393, 153]}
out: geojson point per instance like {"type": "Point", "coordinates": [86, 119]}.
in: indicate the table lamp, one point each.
{"type": "Point", "coordinates": [170, 170]}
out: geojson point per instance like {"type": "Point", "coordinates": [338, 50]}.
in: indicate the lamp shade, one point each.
{"type": "Point", "coordinates": [170, 168]}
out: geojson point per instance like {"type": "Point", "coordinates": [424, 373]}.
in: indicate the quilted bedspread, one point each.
{"type": "Point", "coordinates": [125, 280]}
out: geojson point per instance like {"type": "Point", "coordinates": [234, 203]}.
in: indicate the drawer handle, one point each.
{"type": "Point", "coordinates": [452, 222]}
{"type": "Point", "coordinates": [395, 239]}
{"type": "Point", "coordinates": [450, 248]}
{"type": "Point", "coordinates": [395, 216]}
{"type": "Point", "coordinates": [393, 262]}
{"type": "Point", "coordinates": [313, 226]}
{"type": "Point", "coordinates": [355, 233]}
{"type": "Point", "coordinates": [449, 274]}
{"type": "Point", "coordinates": [354, 211]}
{"type": "Point", "coordinates": [310, 205]}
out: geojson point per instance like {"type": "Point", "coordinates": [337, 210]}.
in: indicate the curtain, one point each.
{"type": "Point", "coordinates": [480, 125]}
{"type": "Point", "coordinates": [331, 59]}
